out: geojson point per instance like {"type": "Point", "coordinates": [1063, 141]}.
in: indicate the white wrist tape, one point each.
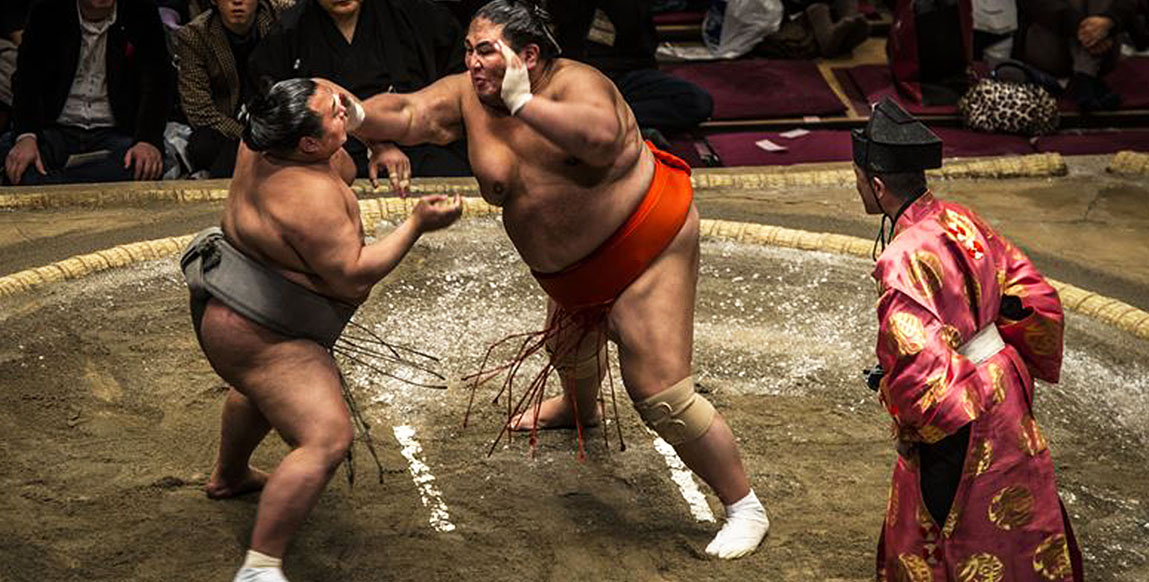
{"type": "Point", "coordinates": [518, 102]}
{"type": "Point", "coordinates": [355, 115]}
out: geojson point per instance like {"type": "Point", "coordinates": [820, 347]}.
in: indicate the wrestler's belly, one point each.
{"type": "Point", "coordinates": [553, 227]}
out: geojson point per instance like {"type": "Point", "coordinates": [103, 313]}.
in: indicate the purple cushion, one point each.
{"type": "Point", "coordinates": [965, 143]}
{"type": "Point", "coordinates": [739, 149]}
{"type": "Point", "coordinates": [762, 88]}
{"type": "Point", "coordinates": [872, 83]}
{"type": "Point", "coordinates": [865, 84]}
{"type": "Point", "coordinates": [1131, 80]}
{"type": "Point", "coordinates": [1077, 143]}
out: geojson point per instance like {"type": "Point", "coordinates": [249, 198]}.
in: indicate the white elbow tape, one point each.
{"type": "Point", "coordinates": [678, 414]}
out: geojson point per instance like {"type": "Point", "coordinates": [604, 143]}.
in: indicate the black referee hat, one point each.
{"type": "Point", "coordinates": [893, 141]}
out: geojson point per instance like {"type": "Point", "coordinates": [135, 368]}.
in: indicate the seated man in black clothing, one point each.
{"type": "Point", "coordinates": [370, 47]}
{"type": "Point", "coordinates": [618, 38]}
{"type": "Point", "coordinates": [1077, 38]}
{"type": "Point", "coordinates": [91, 94]}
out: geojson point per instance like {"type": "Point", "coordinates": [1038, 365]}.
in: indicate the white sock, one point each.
{"type": "Point", "coordinates": [259, 567]}
{"type": "Point", "coordinates": [746, 525]}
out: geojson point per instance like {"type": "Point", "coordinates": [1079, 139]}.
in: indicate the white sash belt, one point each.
{"type": "Point", "coordinates": [983, 345]}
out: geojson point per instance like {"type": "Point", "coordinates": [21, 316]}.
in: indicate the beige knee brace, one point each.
{"type": "Point", "coordinates": [580, 363]}
{"type": "Point", "coordinates": [678, 414]}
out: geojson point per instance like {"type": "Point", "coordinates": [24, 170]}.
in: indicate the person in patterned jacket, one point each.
{"type": "Point", "coordinates": [212, 52]}
{"type": "Point", "coordinates": [966, 322]}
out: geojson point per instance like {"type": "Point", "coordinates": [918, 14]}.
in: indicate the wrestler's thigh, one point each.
{"type": "Point", "coordinates": [297, 388]}
{"type": "Point", "coordinates": [653, 320]}
{"type": "Point", "coordinates": [294, 383]}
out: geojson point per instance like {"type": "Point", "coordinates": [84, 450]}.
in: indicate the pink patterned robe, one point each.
{"type": "Point", "coordinates": [941, 280]}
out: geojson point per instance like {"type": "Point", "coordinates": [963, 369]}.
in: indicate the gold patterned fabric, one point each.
{"type": "Point", "coordinates": [1051, 558]}
{"type": "Point", "coordinates": [942, 280]}
{"type": "Point", "coordinates": [907, 334]}
{"type": "Point", "coordinates": [913, 568]}
{"type": "Point", "coordinates": [1012, 507]}
{"type": "Point", "coordinates": [984, 567]}
{"type": "Point", "coordinates": [926, 274]}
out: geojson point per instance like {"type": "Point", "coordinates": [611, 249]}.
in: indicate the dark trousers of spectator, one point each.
{"type": "Point", "coordinates": [213, 151]}
{"type": "Point", "coordinates": [1058, 52]}
{"type": "Point", "coordinates": [427, 161]}
{"type": "Point", "coordinates": [58, 143]}
{"type": "Point", "coordinates": [664, 102]}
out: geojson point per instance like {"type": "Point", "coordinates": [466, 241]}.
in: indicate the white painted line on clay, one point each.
{"type": "Point", "coordinates": [684, 478]}
{"type": "Point", "coordinates": [424, 480]}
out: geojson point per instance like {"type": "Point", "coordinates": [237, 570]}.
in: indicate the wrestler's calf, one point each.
{"type": "Point", "coordinates": [681, 417]}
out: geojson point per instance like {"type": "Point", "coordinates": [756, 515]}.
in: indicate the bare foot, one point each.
{"type": "Point", "coordinates": [555, 412]}
{"type": "Point", "coordinates": [218, 488]}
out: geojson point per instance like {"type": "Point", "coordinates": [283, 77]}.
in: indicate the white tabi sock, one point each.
{"type": "Point", "coordinates": [746, 525]}
{"type": "Point", "coordinates": [259, 567]}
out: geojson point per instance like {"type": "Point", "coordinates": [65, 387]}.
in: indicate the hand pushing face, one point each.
{"type": "Point", "coordinates": [516, 87]}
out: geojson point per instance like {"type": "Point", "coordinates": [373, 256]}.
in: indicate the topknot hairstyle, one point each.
{"type": "Point", "coordinates": [278, 115]}
{"type": "Point", "coordinates": [524, 22]}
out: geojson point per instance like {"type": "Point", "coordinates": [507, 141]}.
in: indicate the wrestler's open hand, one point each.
{"type": "Point", "coordinates": [388, 156]}
{"type": "Point", "coordinates": [437, 211]}
{"type": "Point", "coordinates": [516, 89]}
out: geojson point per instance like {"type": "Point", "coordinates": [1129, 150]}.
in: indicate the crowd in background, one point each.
{"type": "Point", "coordinates": [108, 90]}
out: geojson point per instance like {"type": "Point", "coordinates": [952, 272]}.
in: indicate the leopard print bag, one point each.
{"type": "Point", "coordinates": [994, 105]}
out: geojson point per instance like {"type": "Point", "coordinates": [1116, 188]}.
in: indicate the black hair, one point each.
{"type": "Point", "coordinates": [278, 115]}
{"type": "Point", "coordinates": [903, 185]}
{"type": "Point", "coordinates": [524, 22]}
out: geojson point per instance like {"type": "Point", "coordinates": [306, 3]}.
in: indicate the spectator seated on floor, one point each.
{"type": "Point", "coordinates": [812, 29]}
{"type": "Point", "coordinates": [371, 47]}
{"type": "Point", "coordinates": [1075, 39]}
{"type": "Point", "coordinates": [618, 38]}
{"type": "Point", "coordinates": [212, 53]}
{"type": "Point", "coordinates": [12, 16]}
{"type": "Point", "coordinates": [92, 90]}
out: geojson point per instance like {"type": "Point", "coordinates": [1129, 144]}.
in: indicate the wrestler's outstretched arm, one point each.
{"type": "Point", "coordinates": [433, 114]}
{"type": "Point", "coordinates": [582, 118]}
{"type": "Point", "coordinates": [325, 232]}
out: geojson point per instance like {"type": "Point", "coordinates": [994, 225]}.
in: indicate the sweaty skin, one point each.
{"type": "Point", "coordinates": [568, 169]}
{"type": "Point", "coordinates": [294, 212]}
